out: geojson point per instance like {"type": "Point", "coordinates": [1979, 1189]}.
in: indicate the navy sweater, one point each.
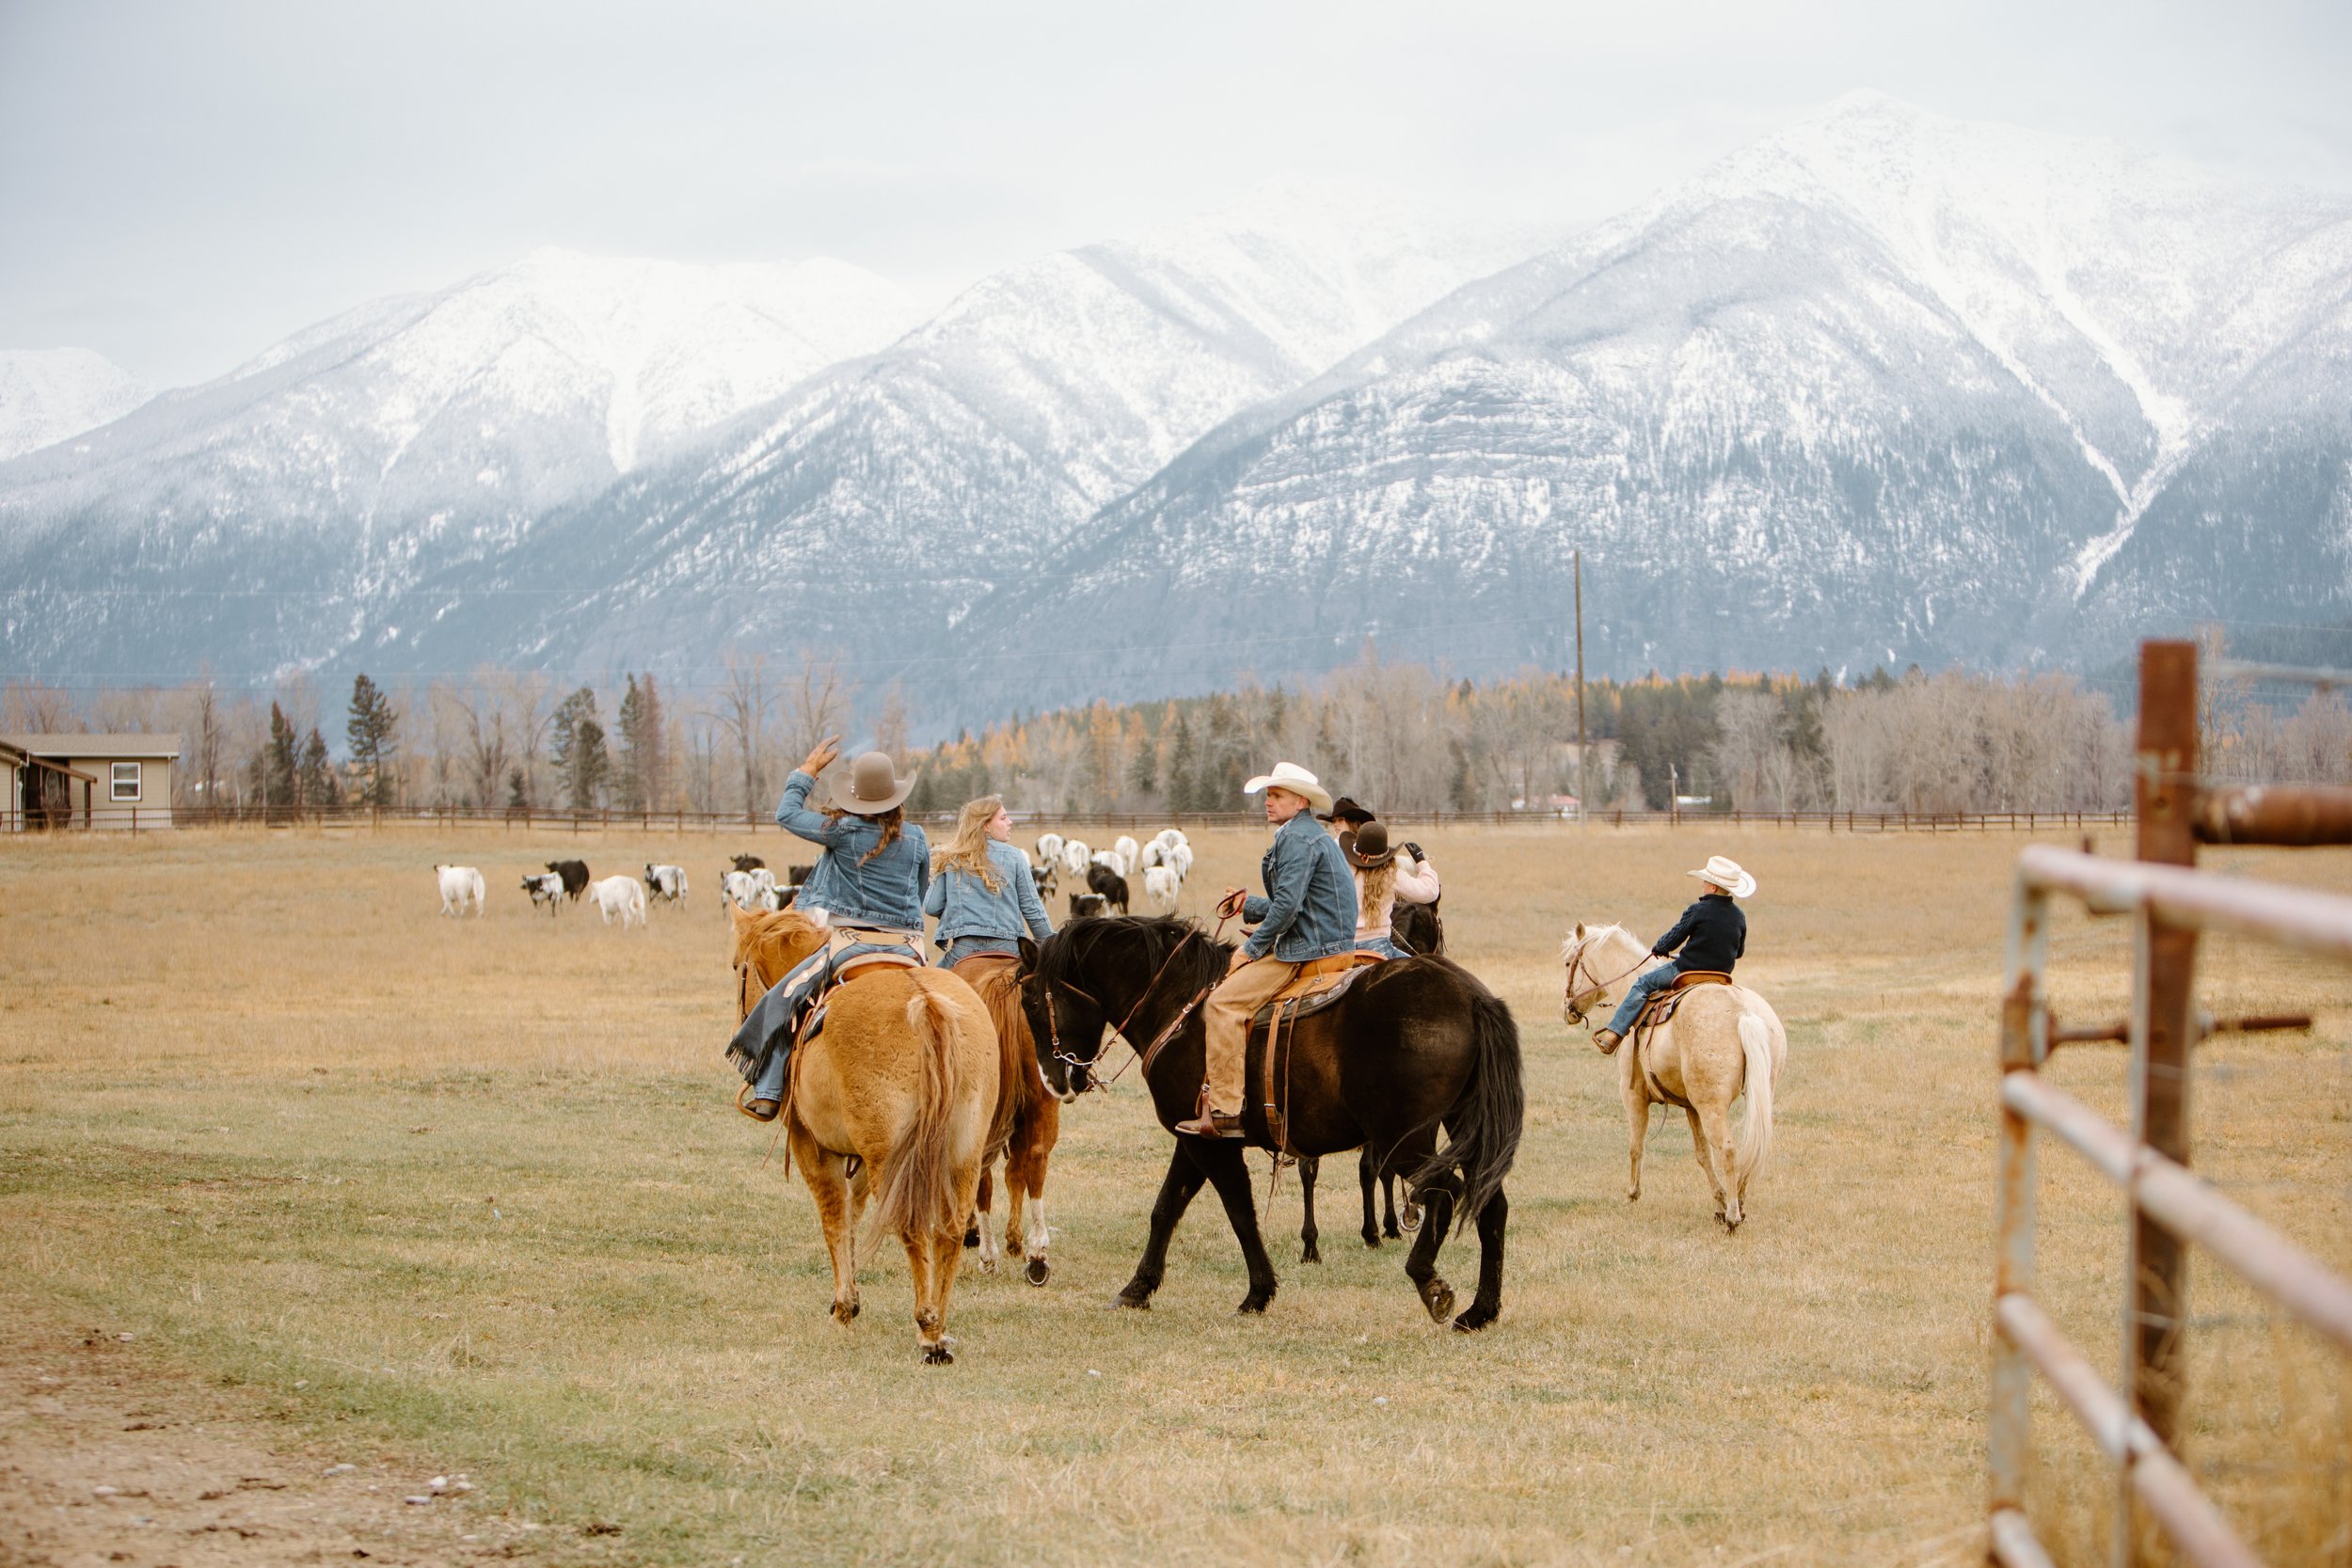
{"type": "Point", "coordinates": [1712, 933]}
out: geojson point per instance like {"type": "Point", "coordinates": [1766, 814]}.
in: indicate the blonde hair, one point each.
{"type": "Point", "coordinates": [967, 849]}
{"type": "Point", "coordinates": [1372, 886]}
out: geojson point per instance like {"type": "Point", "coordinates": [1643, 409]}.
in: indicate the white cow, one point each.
{"type": "Point", "coordinates": [1109, 860]}
{"type": "Point", "coordinates": [1129, 853]}
{"type": "Point", "coordinates": [621, 895]}
{"type": "Point", "coordinates": [1160, 886]}
{"type": "Point", "coordinates": [460, 883]}
{"type": "Point", "coordinates": [1048, 848]}
{"type": "Point", "coordinates": [764, 880]}
{"type": "Point", "coordinates": [1169, 837]}
{"type": "Point", "coordinates": [667, 883]}
{"type": "Point", "coordinates": [1180, 861]}
{"type": "Point", "coordinates": [1076, 857]}
{"type": "Point", "coordinates": [1154, 853]}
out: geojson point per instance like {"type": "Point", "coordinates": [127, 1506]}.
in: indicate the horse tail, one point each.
{"type": "Point", "coordinates": [1754, 1140]}
{"type": "Point", "coordinates": [916, 1196]}
{"type": "Point", "coordinates": [1483, 1129]}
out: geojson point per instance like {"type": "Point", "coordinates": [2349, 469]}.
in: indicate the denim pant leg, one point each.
{"type": "Point", "coordinates": [1637, 994]}
{"type": "Point", "coordinates": [766, 1037]}
{"type": "Point", "coordinates": [1382, 946]}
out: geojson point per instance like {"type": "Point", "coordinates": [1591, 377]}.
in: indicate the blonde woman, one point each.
{"type": "Point", "coordinates": [1381, 884]}
{"type": "Point", "coordinates": [982, 890]}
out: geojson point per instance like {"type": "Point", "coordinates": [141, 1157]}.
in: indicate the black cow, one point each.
{"type": "Point", "coordinates": [1085, 904]}
{"type": "Point", "coordinates": [749, 862]}
{"type": "Point", "coordinates": [798, 875]}
{"type": "Point", "coordinates": [1044, 878]}
{"type": "Point", "coordinates": [575, 874]}
{"type": "Point", "coordinates": [1110, 884]}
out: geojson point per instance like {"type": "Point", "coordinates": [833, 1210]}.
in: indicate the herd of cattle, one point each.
{"type": "Point", "coordinates": [749, 884]}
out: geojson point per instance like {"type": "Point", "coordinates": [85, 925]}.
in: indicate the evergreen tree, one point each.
{"type": "Point", "coordinates": [316, 775]}
{"type": "Point", "coordinates": [281, 783]}
{"type": "Point", "coordinates": [372, 737]}
{"type": "Point", "coordinates": [517, 791]}
{"type": "Point", "coordinates": [1181, 768]}
{"type": "Point", "coordinates": [563, 747]}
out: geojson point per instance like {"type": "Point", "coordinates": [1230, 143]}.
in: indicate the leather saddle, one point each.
{"type": "Point", "coordinates": [1664, 1002]}
{"type": "Point", "coordinates": [857, 966]}
{"type": "Point", "coordinates": [1318, 986]}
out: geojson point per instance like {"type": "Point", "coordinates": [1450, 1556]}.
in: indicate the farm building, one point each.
{"type": "Point", "coordinates": [87, 781]}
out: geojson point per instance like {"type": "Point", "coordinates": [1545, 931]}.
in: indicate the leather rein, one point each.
{"type": "Point", "coordinates": [1599, 986]}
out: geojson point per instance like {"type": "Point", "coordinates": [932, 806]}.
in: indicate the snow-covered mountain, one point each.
{"type": "Point", "coordinates": [47, 394]}
{"type": "Point", "coordinates": [284, 512]}
{"type": "Point", "coordinates": [1883, 386]}
{"type": "Point", "coordinates": [873, 509]}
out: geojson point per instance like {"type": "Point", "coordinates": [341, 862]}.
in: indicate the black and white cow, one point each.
{"type": "Point", "coordinates": [666, 882]}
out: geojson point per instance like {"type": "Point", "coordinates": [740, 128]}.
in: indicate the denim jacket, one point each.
{"type": "Point", "coordinates": [966, 909]}
{"type": "Point", "coordinates": [886, 891]}
{"type": "Point", "coordinates": [1311, 908]}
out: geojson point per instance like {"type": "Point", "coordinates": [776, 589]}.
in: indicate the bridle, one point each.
{"type": "Point", "coordinates": [1599, 987]}
{"type": "Point", "coordinates": [1053, 1022]}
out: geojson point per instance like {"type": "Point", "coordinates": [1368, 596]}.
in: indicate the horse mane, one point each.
{"type": "Point", "coordinates": [1076, 946]}
{"type": "Point", "coordinates": [1592, 934]}
{"type": "Point", "coordinates": [768, 942]}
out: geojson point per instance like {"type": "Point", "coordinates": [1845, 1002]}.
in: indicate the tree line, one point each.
{"type": "Point", "coordinates": [1399, 737]}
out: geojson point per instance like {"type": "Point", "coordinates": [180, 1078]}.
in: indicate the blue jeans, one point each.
{"type": "Point", "coordinates": [1638, 993]}
{"type": "Point", "coordinates": [1381, 945]}
{"type": "Point", "coordinates": [961, 948]}
{"type": "Point", "coordinates": [762, 1047]}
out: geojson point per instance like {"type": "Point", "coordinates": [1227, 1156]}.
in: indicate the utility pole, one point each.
{"type": "Point", "coordinates": [1583, 768]}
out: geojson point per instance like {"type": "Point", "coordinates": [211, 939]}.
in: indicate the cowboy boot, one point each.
{"type": "Point", "coordinates": [1207, 1123]}
{"type": "Point", "coordinates": [1608, 1039]}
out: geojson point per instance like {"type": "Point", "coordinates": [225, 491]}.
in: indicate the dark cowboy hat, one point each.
{"type": "Point", "coordinates": [1367, 847]}
{"type": "Point", "coordinates": [871, 786]}
{"type": "Point", "coordinates": [1345, 809]}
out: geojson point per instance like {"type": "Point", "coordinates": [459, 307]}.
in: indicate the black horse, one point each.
{"type": "Point", "coordinates": [1416, 1045]}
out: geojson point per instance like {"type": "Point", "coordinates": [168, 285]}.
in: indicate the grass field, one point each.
{"type": "Point", "coordinates": [475, 1190]}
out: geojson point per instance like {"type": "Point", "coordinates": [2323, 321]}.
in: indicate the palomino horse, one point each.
{"type": "Point", "coordinates": [1026, 1127]}
{"type": "Point", "coordinates": [902, 1082]}
{"type": "Point", "coordinates": [1416, 1045]}
{"type": "Point", "coordinates": [1722, 1039]}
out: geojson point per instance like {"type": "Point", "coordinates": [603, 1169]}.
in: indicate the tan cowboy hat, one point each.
{"type": "Point", "coordinates": [871, 787]}
{"type": "Point", "coordinates": [1368, 846]}
{"type": "Point", "coordinates": [1725, 874]}
{"type": "Point", "coordinates": [1290, 776]}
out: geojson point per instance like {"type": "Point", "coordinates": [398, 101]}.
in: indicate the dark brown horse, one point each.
{"type": "Point", "coordinates": [1417, 1046]}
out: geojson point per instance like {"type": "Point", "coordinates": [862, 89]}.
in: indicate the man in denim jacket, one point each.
{"type": "Point", "coordinates": [1309, 912]}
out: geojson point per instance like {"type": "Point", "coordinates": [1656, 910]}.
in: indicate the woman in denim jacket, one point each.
{"type": "Point", "coordinates": [873, 874]}
{"type": "Point", "coordinates": [981, 889]}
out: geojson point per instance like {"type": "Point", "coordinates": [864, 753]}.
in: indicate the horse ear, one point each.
{"type": "Point", "coordinates": [1028, 955]}
{"type": "Point", "coordinates": [1580, 930]}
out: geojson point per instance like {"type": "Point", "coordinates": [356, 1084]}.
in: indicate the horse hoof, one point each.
{"type": "Point", "coordinates": [1036, 1271]}
{"type": "Point", "coordinates": [1438, 1297]}
{"type": "Point", "coordinates": [1251, 1307]}
{"type": "Point", "coordinates": [940, 1354]}
{"type": "Point", "coordinates": [1132, 1304]}
{"type": "Point", "coordinates": [1311, 1254]}
{"type": "Point", "coordinates": [988, 1265]}
{"type": "Point", "coordinates": [1411, 1219]}
{"type": "Point", "coordinates": [1371, 1240]}
{"type": "Point", "coordinates": [971, 1235]}
{"type": "Point", "coordinates": [843, 1313]}
{"type": "Point", "coordinates": [1478, 1317]}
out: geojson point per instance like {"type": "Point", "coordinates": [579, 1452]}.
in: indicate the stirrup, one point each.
{"type": "Point", "coordinates": [745, 1107]}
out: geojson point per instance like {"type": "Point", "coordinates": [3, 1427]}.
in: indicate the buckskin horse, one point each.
{"type": "Point", "coordinates": [892, 1099]}
{"type": "Point", "coordinates": [1416, 1045]}
{"type": "Point", "coordinates": [1720, 1040]}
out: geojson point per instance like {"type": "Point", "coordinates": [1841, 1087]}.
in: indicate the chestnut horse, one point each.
{"type": "Point", "coordinates": [1415, 1046]}
{"type": "Point", "coordinates": [901, 1082]}
{"type": "Point", "coordinates": [1027, 1125]}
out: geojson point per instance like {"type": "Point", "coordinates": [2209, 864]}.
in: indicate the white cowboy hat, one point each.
{"type": "Point", "coordinates": [1725, 874]}
{"type": "Point", "coordinates": [1290, 776]}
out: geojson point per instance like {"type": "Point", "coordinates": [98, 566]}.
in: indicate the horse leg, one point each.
{"type": "Point", "coordinates": [1177, 1191]}
{"type": "Point", "coordinates": [972, 1224]}
{"type": "Point", "coordinates": [946, 1258]}
{"type": "Point", "coordinates": [1309, 1166]}
{"type": "Point", "coordinates": [1365, 1177]}
{"type": "Point", "coordinates": [1024, 1177]}
{"type": "Point", "coordinates": [1637, 1130]}
{"type": "Point", "coordinates": [1388, 1208]}
{"type": "Point", "coordinates": [1487, 1305]}
{"type": "Point", "coordinates": [923, 1274]}
{"type": "Point", "coordinates": [1229, 1174]}
{"type": "Point", "coordinates": [1436, 1198]}
{"type": "Point", "coordinates": [984, 1217]}
{"type": "Point", "coordinates": [1711, 1134]}
{"type": "Point", "coordinates": [836, 1214]}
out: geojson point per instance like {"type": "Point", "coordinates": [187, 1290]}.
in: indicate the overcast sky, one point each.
{"type": "Point", "coordinates": [182, 184]}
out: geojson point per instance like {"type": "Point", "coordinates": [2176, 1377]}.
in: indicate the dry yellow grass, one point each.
{"type": "Point", "coordinates": [476, 1187]}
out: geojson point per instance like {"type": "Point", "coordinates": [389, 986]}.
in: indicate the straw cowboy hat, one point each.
{"type": "Point", "coordinates": [1725, 874]}
{"type": "Point", "coordinates": [1290, 776]}
{"type": "Point", "coordinates": [1346, 810]}
{"type": "Point", "coordinates": [1368, 848]}
{"type": "Point", "coordinates": [871, 786]}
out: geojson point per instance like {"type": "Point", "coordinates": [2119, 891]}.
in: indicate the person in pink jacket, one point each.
{"type": "Point", "coordinates": [1384, 878]}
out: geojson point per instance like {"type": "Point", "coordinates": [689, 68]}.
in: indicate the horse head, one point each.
{"type": "Point", "coordinates": [1065, 1020]}
{"type": "Point", "coordinates": [1592, 957]}
{"type": "Point", "coordinates": [768, 946]}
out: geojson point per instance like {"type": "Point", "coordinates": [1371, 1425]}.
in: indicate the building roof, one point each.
{"type": "Point", "coordinates": [96, 746]}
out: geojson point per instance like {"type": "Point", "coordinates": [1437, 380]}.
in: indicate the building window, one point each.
{"type": "Point", "coordinates": [127, 781]}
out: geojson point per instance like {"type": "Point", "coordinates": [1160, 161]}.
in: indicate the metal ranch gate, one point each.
{"type": "Point", "coordinates": [2171, 904]}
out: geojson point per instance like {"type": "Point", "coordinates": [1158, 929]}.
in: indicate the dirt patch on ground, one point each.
{"type": "Point", "coordinates": [110, 1453]}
